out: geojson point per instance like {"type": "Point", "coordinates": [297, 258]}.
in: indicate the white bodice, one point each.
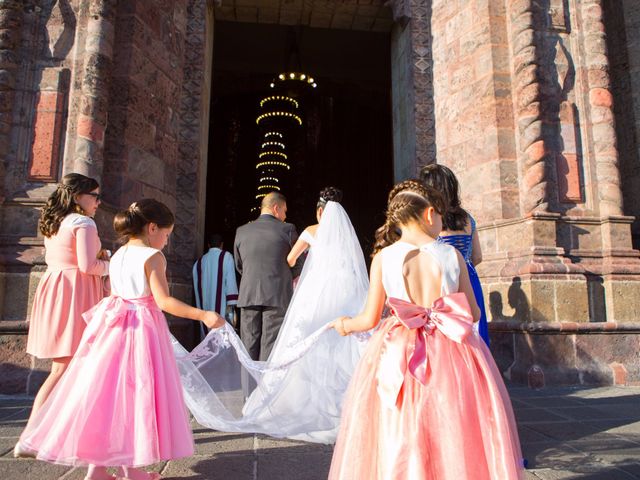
{"type": "Point", "coordinates": [393, 258]}
{"type": "Point", "coordinates": [307, 237]}
{"type": "Point", "coordinates": [126, 271]}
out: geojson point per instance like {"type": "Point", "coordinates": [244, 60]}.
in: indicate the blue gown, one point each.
{"type": "Point", "coordinates": [463, 242]}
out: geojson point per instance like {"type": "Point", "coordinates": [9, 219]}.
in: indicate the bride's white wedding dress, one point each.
{"type": "Point", "coordinates": [299, 390]}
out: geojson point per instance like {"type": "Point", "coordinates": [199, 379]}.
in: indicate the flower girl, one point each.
{"type": "Point", "coordinates": [426, 400]}
{"type": "Point", "coordinates": [120, 402]}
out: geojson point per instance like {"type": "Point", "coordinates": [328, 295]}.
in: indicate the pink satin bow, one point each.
{"type": "Point", "coordinates": [450, 314]}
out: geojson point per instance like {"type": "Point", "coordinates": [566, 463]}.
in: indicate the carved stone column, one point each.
{"type": "Point", "coordinates": [10, 34]}
{"type": "Point", "coordinates": [524, 18]}
{"type": "Point", "coordinates": [412, 72]}
{"type": "Point", "coordinates": [86, 150]}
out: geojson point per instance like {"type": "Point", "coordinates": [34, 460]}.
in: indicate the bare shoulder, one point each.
{"type": "Point", "coordinates": [312, 229]}
{"type": "Point", "coordinates": [157, 260]}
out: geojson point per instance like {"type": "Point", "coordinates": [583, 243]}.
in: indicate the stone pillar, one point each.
{"type": "Point", "coordinates": [623, 37]}
{"type": "Point", "coordinates": [10, 33]}
{"type": "Point", "coordinates": [85, 152]}
{"type": "Point", "coordinates": [565, 268]}
{"type": "Point", "coordinates": [617, 266]}
{"type": "Point", "coordinates": [414, 133]}
{"type": "Point", "coordinates": [193, 141]}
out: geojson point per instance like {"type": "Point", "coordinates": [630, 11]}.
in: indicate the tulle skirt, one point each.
{"type": "Point", "coordinates": [458, 426]}
{"type": "Point", "coordinates": [120, 401]}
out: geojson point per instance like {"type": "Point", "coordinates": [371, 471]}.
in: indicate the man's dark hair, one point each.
{"type": "Point", "coordinates": [214, 240]}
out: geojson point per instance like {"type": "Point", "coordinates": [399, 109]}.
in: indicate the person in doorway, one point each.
{"type": "Point", "coordinates": [260, 253]}
{"type": "Point", "coordinates": [214, 280]}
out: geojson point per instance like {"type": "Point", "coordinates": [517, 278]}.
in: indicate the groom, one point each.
{"type": "Point", "coordinates": [260, 253]}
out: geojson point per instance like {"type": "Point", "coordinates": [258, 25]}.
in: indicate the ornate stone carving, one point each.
{"type": "Point", "coordinates": [10, 30]}
{"type": "Point", "coordinates": [422, 58]}
{"type": "Point", "coordinates": [96, 75]}
{"type": "Point", "coordinates": [523, 18]}
{"type": "Point", "coordinates": [187, 198]}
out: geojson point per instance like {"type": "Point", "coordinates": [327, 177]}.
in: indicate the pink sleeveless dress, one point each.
{"type": "Point", "coordinates": [120, 401]}
{"type": "Point", "coordinates": [71, 285]}
{"type": "Point", "coordinates": [426, 400]}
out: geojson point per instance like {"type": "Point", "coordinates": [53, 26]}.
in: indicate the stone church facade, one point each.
{"type": "Point", "coordinates": [535, 104]}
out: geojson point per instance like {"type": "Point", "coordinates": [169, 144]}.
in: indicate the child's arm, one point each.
{"type": "Point", "coordinates": [297, 250]}
{"type": "Point", "coordinates": [155, 270]}
{"type": "Point", "coordinates": [88, 255]}
{"type": "Point", "coordinates": [466, 288]}
{"type": "Point", "coordinates": [370, 316]}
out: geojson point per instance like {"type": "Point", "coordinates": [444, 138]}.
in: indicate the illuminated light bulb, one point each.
{"type": "Point", "coordinates": [272, 85]}
{"type": "Point", "coordinates": [281, 76]}
{"type": "Point", "coordinates": [314, 85]}
{"type": "Point", "coordinates": [303, 76]}
{"type": "Point", "coordinates": [292, 75]}
{"type": "Point", "coordinates": [310, 79]}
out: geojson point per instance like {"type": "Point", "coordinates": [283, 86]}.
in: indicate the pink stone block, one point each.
{"type": "Point", "coordinates": [90, 129]}
{"type": "Point", "coordinates": [568, 169]}
{"type": "Point", "coordinates": [45, 150]}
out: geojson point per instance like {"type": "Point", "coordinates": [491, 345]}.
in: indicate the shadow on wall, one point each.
{"type": "Point", "coordinates": [516, 299]}
{"type": "Point", "coordinates": [550, 353]}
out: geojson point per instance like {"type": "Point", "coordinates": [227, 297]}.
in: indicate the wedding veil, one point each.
{"type": "Point", "coordinates": [298, 391]}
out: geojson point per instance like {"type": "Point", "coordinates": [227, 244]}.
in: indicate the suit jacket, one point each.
{"type": "Point", "coordinates": [260, 253]}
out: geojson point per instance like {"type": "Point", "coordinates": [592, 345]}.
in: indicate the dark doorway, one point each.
{"type": "Point", "coordinates": [345, 140]}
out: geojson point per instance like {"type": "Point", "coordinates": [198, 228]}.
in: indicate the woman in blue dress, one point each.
{"type": "Point", "coordinates": [459, 230]}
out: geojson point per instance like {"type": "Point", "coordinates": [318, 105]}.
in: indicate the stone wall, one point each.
{"type": "Point", "coordinates": [473, 105]}
{"type": "Point", "coordinates": [97, 87]}
{"type": "Point", "coordinates": [624, 25]}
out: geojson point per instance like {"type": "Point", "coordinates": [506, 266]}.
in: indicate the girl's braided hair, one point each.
{"type": "Point", "coordinates": [407, 201]}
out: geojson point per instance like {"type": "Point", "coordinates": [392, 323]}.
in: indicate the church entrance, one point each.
{"type": "Point", "coordinates": [333, 127]}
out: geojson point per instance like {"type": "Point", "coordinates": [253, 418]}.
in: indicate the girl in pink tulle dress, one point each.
{"type": "Point", "coordinates": [120, 402]}
{"type": "Point", "coordinates": [426, 400]}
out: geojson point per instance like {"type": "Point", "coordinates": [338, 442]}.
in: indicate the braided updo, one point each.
{"type": "Point", "coordinates": [407, 201]}
{"type": "Point", "coordinates": [329, 194]}
{"type": "Point", "coordinates": [131, 222]}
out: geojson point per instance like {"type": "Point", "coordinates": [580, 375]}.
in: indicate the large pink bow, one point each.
{"type": "Point", "coordinates": [450, 314]}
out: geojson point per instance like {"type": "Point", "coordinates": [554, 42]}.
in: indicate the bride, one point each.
{"type": "Point", "coordinates": [299, 389]}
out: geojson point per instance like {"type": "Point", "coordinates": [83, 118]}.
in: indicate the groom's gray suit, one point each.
{"type": "Point", "coordinates": [260, 252]}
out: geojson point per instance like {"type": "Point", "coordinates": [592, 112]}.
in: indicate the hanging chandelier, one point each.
{"type": "Point", "coordinates": [278, 120]}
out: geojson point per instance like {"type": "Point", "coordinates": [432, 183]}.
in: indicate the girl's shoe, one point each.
{"type": "Point", "coordinates": [20, 451]}
{"type": "Point", "coordinates": [149, 475]}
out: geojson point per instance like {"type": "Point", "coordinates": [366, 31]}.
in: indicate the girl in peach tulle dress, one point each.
{"type": "Point", "coordinates": [120, 402]}
{"type": "Point", "coordinates": [426, 400]}
{"type": "Point", "coordinates": [72, 283]}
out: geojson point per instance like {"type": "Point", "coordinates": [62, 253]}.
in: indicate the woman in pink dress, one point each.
{"type": "Point", "coordinates": [72, 283]}
{"type": "Point", "coordinates": [426, 400]}
{"type": "Point", "coordinates": [120, 402]}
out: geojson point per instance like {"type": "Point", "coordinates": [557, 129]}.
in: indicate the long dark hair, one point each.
{"type": "Point", "coordinates": [62, 202]}
{"type": "Point", "coordinates": [407, 201]}
{"type": "Point", "coordinates": [131, 222]}
{"type": "Point", "coordinates": [444, 180]}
